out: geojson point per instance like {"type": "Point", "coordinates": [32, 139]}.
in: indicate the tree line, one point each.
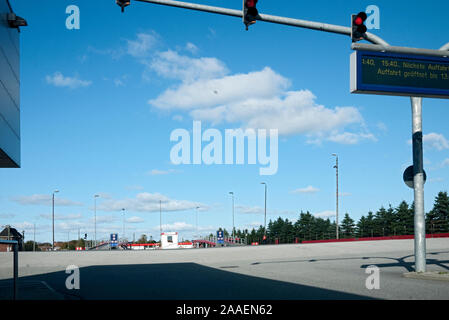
{"type": "Point", "coordinates": [391, 221]}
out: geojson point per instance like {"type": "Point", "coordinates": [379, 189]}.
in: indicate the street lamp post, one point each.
{"type": "Point", "coordinates": [95, 218]}
{"type": "Point", "coordinates": [160, 216]}
{"type": "Point", "coordinates": [197, 230]}
{"type": "Point", "coordinates": [53, 220]}
{"type": "Point", "coordinates": [336, 213]}
{"type": "Point", "coordinates": [265, 220]}
{"type": "Point", "coordinates": [123, 211]}
{"type": "Point", "coordinates": [233, 235]}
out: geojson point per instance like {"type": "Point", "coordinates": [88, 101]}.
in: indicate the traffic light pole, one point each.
{"type": "Point", "coordinates": [420, 227]}
{"type": "Point", "coordinates": [268, 18]}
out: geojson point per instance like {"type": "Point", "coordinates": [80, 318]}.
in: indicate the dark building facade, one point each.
{"type": "Point", "coordinates": [10, 233]}
{"type": "Point", "coordinates": [9, 89]}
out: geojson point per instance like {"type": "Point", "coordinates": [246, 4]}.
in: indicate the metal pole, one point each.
{"type": "Point", "coordinates": [337, 201]}
{"type": "Point", "coordinates": [232, 233]}
{"type": "Point", "coordinates": [95, 218]}
{"type": "Point", "coordinates": [418, 168]}
{"type": "Point", "coordinates": [336, 211]}
{"type": "Point", "coordinates": [53, 222]}
{"type": "Point", "coordinates": [268, 18]}
{"type": "Point", "coordinates": [265, 219]}
{"type": "Point", "coordinates": [123, 210]}
{"type": "Point", "coordinates": [34, 237]}
{"type": "Point", "coordinates": [197, 230]}
{"type": "Point", "coordinates": [16, 269]}
{"type": "Point", "coordinates": [160, 215]}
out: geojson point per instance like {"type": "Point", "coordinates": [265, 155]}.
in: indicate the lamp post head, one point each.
{"type": "Point", "coordinates": [56, 191]}
{"type": "Point", "coordinates": [96, 196]}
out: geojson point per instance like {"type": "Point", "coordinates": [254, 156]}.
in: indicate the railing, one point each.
{"type": "Point", "coordinates": [15, 245]}
{"type": "Point", "coordinates": [227, 240]}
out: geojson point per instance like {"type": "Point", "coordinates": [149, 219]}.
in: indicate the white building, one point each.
{"type": "Point", "coordinates": [169, 240]}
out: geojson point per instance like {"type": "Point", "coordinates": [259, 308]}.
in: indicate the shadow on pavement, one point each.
{"type": "Point", "coordinates": [397, 262]}
{"type": "Point", "coordinates": [178, 281]}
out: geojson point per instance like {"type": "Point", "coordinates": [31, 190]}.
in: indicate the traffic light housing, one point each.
{"type": "Point", "coordinates": [358, 27]}
{"type": "Point", "coordinates": [123, 3]}
{"type": "Point", "coordinates": [250, 13]}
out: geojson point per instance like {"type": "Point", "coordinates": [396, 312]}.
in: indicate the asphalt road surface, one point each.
{"type": "Point", "coordinates": [302, 271]}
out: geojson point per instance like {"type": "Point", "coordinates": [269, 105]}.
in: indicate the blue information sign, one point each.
{"type": "Point", "coordinates": [114, 239]}
{"type": "Point", "coordinates": [399, 74]}
{"type": "Point", "coordinates": [220, 237]}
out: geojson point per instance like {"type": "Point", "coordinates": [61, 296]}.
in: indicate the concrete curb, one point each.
{"type": "Point", "coordinates": [435, 275]}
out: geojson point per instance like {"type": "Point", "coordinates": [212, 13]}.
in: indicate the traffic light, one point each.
{"type": "Point", "coordinates": [358, 27]}
{"type": "Point", "coordinates": [250, 13]}
{"type": "Point", "coordinates": [123, 3]}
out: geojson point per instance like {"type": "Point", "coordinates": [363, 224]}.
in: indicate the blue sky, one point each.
{"type": "Point", "coordinates": [98, 106]}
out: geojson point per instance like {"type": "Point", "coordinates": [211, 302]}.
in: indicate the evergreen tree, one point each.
{"type": "Point", "coordinates": [347, 227]}
{"type": "Point", "coordinates": [405, 220]}
{"type": "Point", "coordinates": [305, 226]}
{"type": "Point", "coordinates": [362, 227]}
{"type": "Point", "coordinates": [438, 218]}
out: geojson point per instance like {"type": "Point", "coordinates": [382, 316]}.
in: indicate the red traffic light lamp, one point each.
{"type": "Point", "coordinates": [358, 27]}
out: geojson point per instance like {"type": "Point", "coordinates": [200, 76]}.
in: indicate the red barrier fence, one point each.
{"type": "Point", "coordinates": [429, 236]}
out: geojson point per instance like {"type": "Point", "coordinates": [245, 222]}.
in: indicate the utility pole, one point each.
{"type": "Point", "coordinates": [265, 219]}
{"type": "Point", "coordinates": [233, 227]}
{"type": "Point", "coordinates": [95, 218]}
{"type": "Point", "coordinates": [34, 237]}
{"type": "Point", "coordinates": [197, 230]}
{"type": "Point", "coordinates": [336, 212]}
{"type": "Point", "coordinates": [53, 220]}
{"type": "Point", "coordinates": [160, 216]}
{"type": "Point", "coordinates": [123, 211]}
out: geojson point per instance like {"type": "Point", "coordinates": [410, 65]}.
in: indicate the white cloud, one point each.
{"type": "Point", "coordinates": [72, 226]}
{"type": "Point", "coordinates": [62, 217]}
{"type": "Point", "coordinates": [141, 46]}
{"type": "Point", "coordinates": [191, 48]}
{"type": "Point", "coordinates": [149, 202]}
{"type": "Point", "coordinates": [59, 80]}
{"type": "Point", "coordinates": [134, 187]}
{"type": "Point", "coordinates": [23, 226]}
{"type": "Point", "coordinates": [325, 214]}
{"type": "Point", "coordinates": [258, 100]}
{"type": "Point", "coordinates": [156, 172]}
{"type": "Point", "coordinates": [309, 189]}
{"type": "Point", "coordinates": [249, 210]}
{"type": "Point", "coordinates": [208, 93]}
{"type": "Point", "coordinates": [177, 227]}
{"type": "Point", "coordinates": [169, 64]}
{"type": "Point", "coordinates": [104, 219]}
{"type": "Point", "coordinates": [44, 199]}
{"type": "Point", "coordinates": [135, 220]}
{"type": "Point", "coordinates": [351, 138]}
